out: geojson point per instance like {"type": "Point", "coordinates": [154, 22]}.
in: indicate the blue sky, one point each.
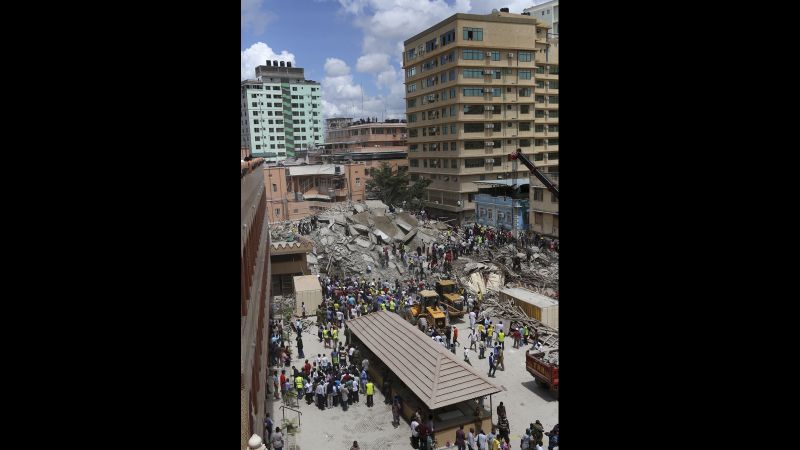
{"type": "Point", "coordinates": [348, 45]}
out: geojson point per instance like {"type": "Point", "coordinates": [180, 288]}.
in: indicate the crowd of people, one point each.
{"type": "Point", "coordinates": [338, 379]}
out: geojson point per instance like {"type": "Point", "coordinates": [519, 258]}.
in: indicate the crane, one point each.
{"type": "Point", "coordinates": [547, 183]}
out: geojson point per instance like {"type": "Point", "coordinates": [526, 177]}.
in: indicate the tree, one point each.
{"type": "Point", "coordinates": [394, 188]}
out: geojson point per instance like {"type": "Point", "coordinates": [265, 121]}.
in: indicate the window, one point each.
{"type": "Point", "coordinates": [252, 95]}
{"type": "Point", "coordinates": [524, 74]}
{"type": "Point", "coordinates": [358, 181]}
{"type": "Point", "coordinates": [495, 56]}
{"type": "Point", "coordinates": [471, 163]}
{"type": "Point", "coordinates": [274, 187]}
{"type": "Point", "coordinates": [277, 211]}
{"type": "Point", "coordinates": [412, 102]}
{"type": "Point", "coordinates": [412, 87]}
{"type": "Point", "coordinates": [453, 129]}
{"type": "Point", "coordinates": [538, 156]}
{"type": "Point", "coordinates": [412, 118]}
{"type": "Point", "coordinates": [473, 127]}
{"type": "Point", "coordinates": [539, 69]}
{"type": "Point", "coordinates": [539, 114]}
{"type": "Point", "coordinates": [525, 109]}
{"type": "Point", "coordinates": [538, 142]}
{"type": "Point", "coordinates": [553, 84]}
{"type": "Point", "coordinates": [411, 54]}
{"type": "Point", "coordinates": [452, 75]}
{"type": "Point", "coordinates": [412, 133]}
{"type": "Point", "coordinates": [255, 130]}
{"type": "Point", "coordinates": [472, 92]}
{"type": "Point", "coordinates": [539, 128]}
{"type": "Point", "coordinates": [447, 38]}
{"type": "Point", "coordinates": [525, 92]}
{"type": "Point", "coordinates": [552, 141]}
{"type": "Point", "coordinates": [524, 142]}
{"type": "Point", "coordinates": [524, 56]}
{"type": "Point", "coordinates": [473, 34]}
{"type": "Point", "coordinates": [473, 109]}
{"type": "Point", "coordinates": [538, 194]}
{"type": "Point", "coordinates": [454, 164]}
{"type": "Point", "coordinates": [473, 145]}
{"type": "Point", "coordinates": [554, 114]}
{"type": "Point", "coordinates": [497, 92]}
{"type": "Point", "coordinates": [430, 45]}
{"type": "Point", "coordinates": [553, 198]}
{"type": "Point", "coordinates": [473, 73]}
{"type": "Point", "coordinates": [443, 77]}
{"type": "Point", "coordinates": [413, 148]}
{"type": "Point", "coordinates": [553, 99]}
{"type": "Point", "coordinates": [424, 161]}
{"type": "Point", "coordinates": [552, 128]}
{"type": "Point", "coordinates": [469, 54]}
{"type": "Point", "coordinates": [413, 162]}
{"type": "Point", "coordinates": [553, 70]}
{"type": "Point", "coordinates": [255, 104]}
{"type": "Point", "coordinates": [497, 74]}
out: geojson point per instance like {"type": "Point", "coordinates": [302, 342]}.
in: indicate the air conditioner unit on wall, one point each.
{"type": "Point", "coordinates": [510, 55]}
{"type": "Point", "coordinates": [488, 54]}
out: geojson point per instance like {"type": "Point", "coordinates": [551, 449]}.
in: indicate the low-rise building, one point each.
{"type": "Point", "coordinates": [503, 204]}
{"type": "Point", "coordinates": [367, 140]}
{"type": "Point", "coordinates": [297, 192]}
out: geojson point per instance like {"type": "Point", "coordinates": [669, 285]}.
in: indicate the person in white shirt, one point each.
{"type": "Point", "coordinates": [473, 339]}
{"type": "Point", "coordinates": [481, 441]}
{"type": "Point", "coordinates": [415, 433]}
{"type": "Point", "coordinates": [471, 439]}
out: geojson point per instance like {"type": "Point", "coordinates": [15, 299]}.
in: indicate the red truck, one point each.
{"type": "Point", "coordinates": [543, 371]}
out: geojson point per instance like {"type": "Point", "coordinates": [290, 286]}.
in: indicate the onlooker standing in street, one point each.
{"type": "Point", "coordinates": [460, 438]}
{"type": "Point", "coordinates": [277, 439]}
{"type": "Point", "coordinates": [492, 367]}
{"type": "Point", "coordinates": [471, 439]}
{"type": "Point", "coordinates": [370, 387]}
{"type": "Point", "coordinates": [414, 433]}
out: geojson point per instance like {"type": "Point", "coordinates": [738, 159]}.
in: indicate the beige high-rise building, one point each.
{"type": "Point", "coordinates": [477, 88]}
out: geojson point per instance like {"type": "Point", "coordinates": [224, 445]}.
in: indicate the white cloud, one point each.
{"type": "Point", "coordinates": [254, 17]}
{"type": "Point", "coordinates": [257, 55]}
{"type": "Point", "coordinates": [335, 67]}
{"type": "Point", "coordinates": [385, 25]}
{"type": "Point", "coordinates": [373, 63]}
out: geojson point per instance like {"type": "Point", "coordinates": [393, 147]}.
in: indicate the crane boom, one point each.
{"type": "Point", "coordinates": [536, 172]}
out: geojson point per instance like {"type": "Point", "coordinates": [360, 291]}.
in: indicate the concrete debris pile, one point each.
{"type": "Point", "coordinates": [538, 275]}
{"type": "Point", "coordinates": [349, 238]}
{"type": "Point", "coordinates": [479, 277]}
{"type": "Point", "coordinates": [493, 307]}
{"type": "Point", "coordinates": [551, 357]}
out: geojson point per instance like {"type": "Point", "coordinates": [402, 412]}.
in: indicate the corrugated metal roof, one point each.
{"type": "Point", "coordinates": [424, 366]}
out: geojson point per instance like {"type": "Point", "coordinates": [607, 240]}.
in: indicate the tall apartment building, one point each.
{"type": "Point", "coordinates": [255, 296]}
{"type": "Point", "coordinates": [477, 88]}
{"type": "Point", "coordinates": [547, 12]}
{"type": "Point", "coordinates": [281, 112]}
{"type": "Point", "coordinates": [369, 141]}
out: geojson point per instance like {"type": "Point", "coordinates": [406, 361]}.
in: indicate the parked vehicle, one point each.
{"type": "Point", "coordinates": [544, 372]}
{"type": "Point", "coordinates": [450, 298]}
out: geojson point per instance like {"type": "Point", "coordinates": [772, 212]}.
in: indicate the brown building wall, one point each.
{"type": "Point", "coordinates": [255, 293]}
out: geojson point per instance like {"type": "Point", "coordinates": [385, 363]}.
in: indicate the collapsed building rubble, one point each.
{"type": "Point", "coordinates": [349, 240]}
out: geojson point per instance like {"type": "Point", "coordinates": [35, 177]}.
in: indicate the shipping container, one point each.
{"type": "Point", "coordinates": [537, 306]}
{"type": "Point", "coordinates": [307, 290]}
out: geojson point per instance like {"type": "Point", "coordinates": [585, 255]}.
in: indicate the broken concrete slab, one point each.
{"type": "Point", "coordinates": [406, 221]}
{"type": "Point", "coordinates": [376, 204]}
{"type": "Point", "coordinates": [360, 228]}
{"type": "Point", "coordinates": [359, 207]}
{"type": "Point", "coordinates": [387, 228]}
{"type": "Point", "coordinates": [360, 218]}
{"type": "Point", "coordinates": [311, 258]}
{"type": "Point", "coordinates": [405, 239]}
{"type": "Point", "coordinates": [352, 230]}
{"type": "Point", "coordinates": [362, 242]}
{"type": "Point", "coordinates": [373, 239]}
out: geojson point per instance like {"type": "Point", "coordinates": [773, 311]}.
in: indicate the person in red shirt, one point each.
{"type": "Point", "coordinates": [283, 377]}
{"type": "Point", "coordinates": [307, 369]}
